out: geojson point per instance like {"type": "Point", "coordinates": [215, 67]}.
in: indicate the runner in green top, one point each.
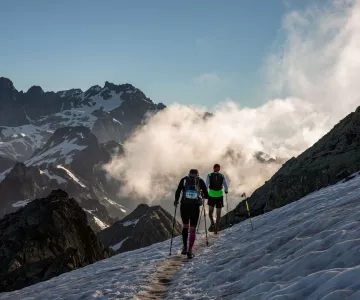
{"type": "Point", "coordinates": [215, 182]}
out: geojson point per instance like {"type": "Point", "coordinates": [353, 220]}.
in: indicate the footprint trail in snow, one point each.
{"type": "Point", "coordinates": [162, 278]}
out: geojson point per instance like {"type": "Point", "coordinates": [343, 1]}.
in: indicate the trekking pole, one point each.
{"type": "Point", "coordinates": [207, 242]}
{"type": "Point", "coordinates": [172, 233]}
{"type": "Point", "coordinates": [227, 207]}
{"type": "Point", "coordinates": [199, 221]}
{"type": "Point", "coordinates": [248, 210]}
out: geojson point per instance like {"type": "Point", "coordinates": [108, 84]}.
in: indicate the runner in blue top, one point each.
{"type": "Point", "coordinates": [191, 186]}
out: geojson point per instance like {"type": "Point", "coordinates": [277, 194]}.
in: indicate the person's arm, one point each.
{"type": "Point", "coordinates": [178, 191]}
{"type": "Point", "coordinates": [204, 189]}
{"type": "Point", "coordinates": [207, 180]}
{"type": "Point", "coordinates": [225, 185]}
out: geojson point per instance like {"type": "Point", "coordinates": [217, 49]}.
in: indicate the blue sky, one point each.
{"type": "Point", "coordinates": [190, 52]}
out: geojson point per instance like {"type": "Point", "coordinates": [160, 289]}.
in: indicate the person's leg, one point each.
{"type": "Point", "coordinates": [184, 212]}
{"type": "Point", "coordinates": [219, 205]}
{"type": "Point", "coordinates": [194, 217]}
{"type": "Point", "coordinates": [211, 210]}
{"type": "Point", "coordinates": [218, 217]}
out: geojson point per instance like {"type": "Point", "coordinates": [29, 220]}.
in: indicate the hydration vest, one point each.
{"type": "Point", "coordinates": [216, 181]}
{"type": "Point", "coordinates": [191, 189]}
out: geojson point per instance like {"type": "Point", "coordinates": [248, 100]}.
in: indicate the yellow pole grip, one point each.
{"type": "Point", "coordinates": [247, 206]}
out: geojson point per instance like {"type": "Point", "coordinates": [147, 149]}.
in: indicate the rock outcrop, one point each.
{"type": "Point", "coordinates": [47, 237]}
{"type": "Point", "coordinates": [21, 185]}
{"type": "Point", "coordinates": [143, 227]}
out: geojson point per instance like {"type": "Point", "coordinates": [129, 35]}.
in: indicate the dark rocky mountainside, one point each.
{"type": "Point", "coordinates": [46, 238]}
{"type": "Point", "coordinates": [71, 160]}
{"type": "Point", "coordinates": [333, 158]}
{"type": "Point", "coordinates": [6, 163]}
{"type": "Point", "coordinates": [22, 185]}
{"type": "Point", "coordinates": [143, 227]}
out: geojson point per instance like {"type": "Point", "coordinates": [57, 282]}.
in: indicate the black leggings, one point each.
{"type": "Point", "coordinates": [190, 213]}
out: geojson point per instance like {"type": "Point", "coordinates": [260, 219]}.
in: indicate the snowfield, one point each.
{"type": "Point", "coordinates": [306, 250]}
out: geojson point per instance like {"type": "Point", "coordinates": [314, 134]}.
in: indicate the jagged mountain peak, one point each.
{"type": "Point", "coordinates": [7, 95]}
{"type": "Point", "coordinates": [35, 90]}
{"type": "Point", "coordinates": [95, 89]}
{"type": "Point", "coordinates": [120, 87]}
{"type": "Point", "coordinates": [37, 105]}
{"type": "Point", "coordinates": [141, 210]}
{"type": "Point", "coordinates": [5, 83]}
{"type": "Point", "coordinates": [110, 85]}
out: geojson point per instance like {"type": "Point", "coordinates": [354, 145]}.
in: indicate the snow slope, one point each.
{"type": "Point", "coordinates": [100, 223]}
{"type": "Point", "coordinates": [61, 152]}
{"type": "Point", "coordinates": [119, 277]}
{"type": "Point", "coordinates": [306, 250]}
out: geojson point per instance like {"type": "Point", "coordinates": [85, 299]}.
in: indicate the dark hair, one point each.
{"type": "Point", "coordinates": [193, 172]}
{"type": "Point", "coordinates": [216, 166]}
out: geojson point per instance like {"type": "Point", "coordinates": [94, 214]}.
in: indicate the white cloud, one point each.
{"type": "Point", "coordinates": [320, 61]}
{"type": "Point", "coordinates": [318, 68]}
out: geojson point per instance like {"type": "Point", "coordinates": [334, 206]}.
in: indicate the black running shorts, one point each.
{"type": "Point", "coordinates": [217, 202]}
{"type": "Point", "coordinates": [190, 214]}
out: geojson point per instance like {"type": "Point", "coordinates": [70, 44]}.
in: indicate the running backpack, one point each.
{"type": "Point", "coordinates": [191, 190]}
{"type": "Point", "coordinates": [216, 181]}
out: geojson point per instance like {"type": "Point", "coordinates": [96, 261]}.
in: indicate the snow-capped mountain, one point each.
{"type": "Point", "coordinates": [62, 140]}
{"type": "Point", "coordinates": [63, 146]}
{"type": "Point", "coordinates": [28, 120]}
